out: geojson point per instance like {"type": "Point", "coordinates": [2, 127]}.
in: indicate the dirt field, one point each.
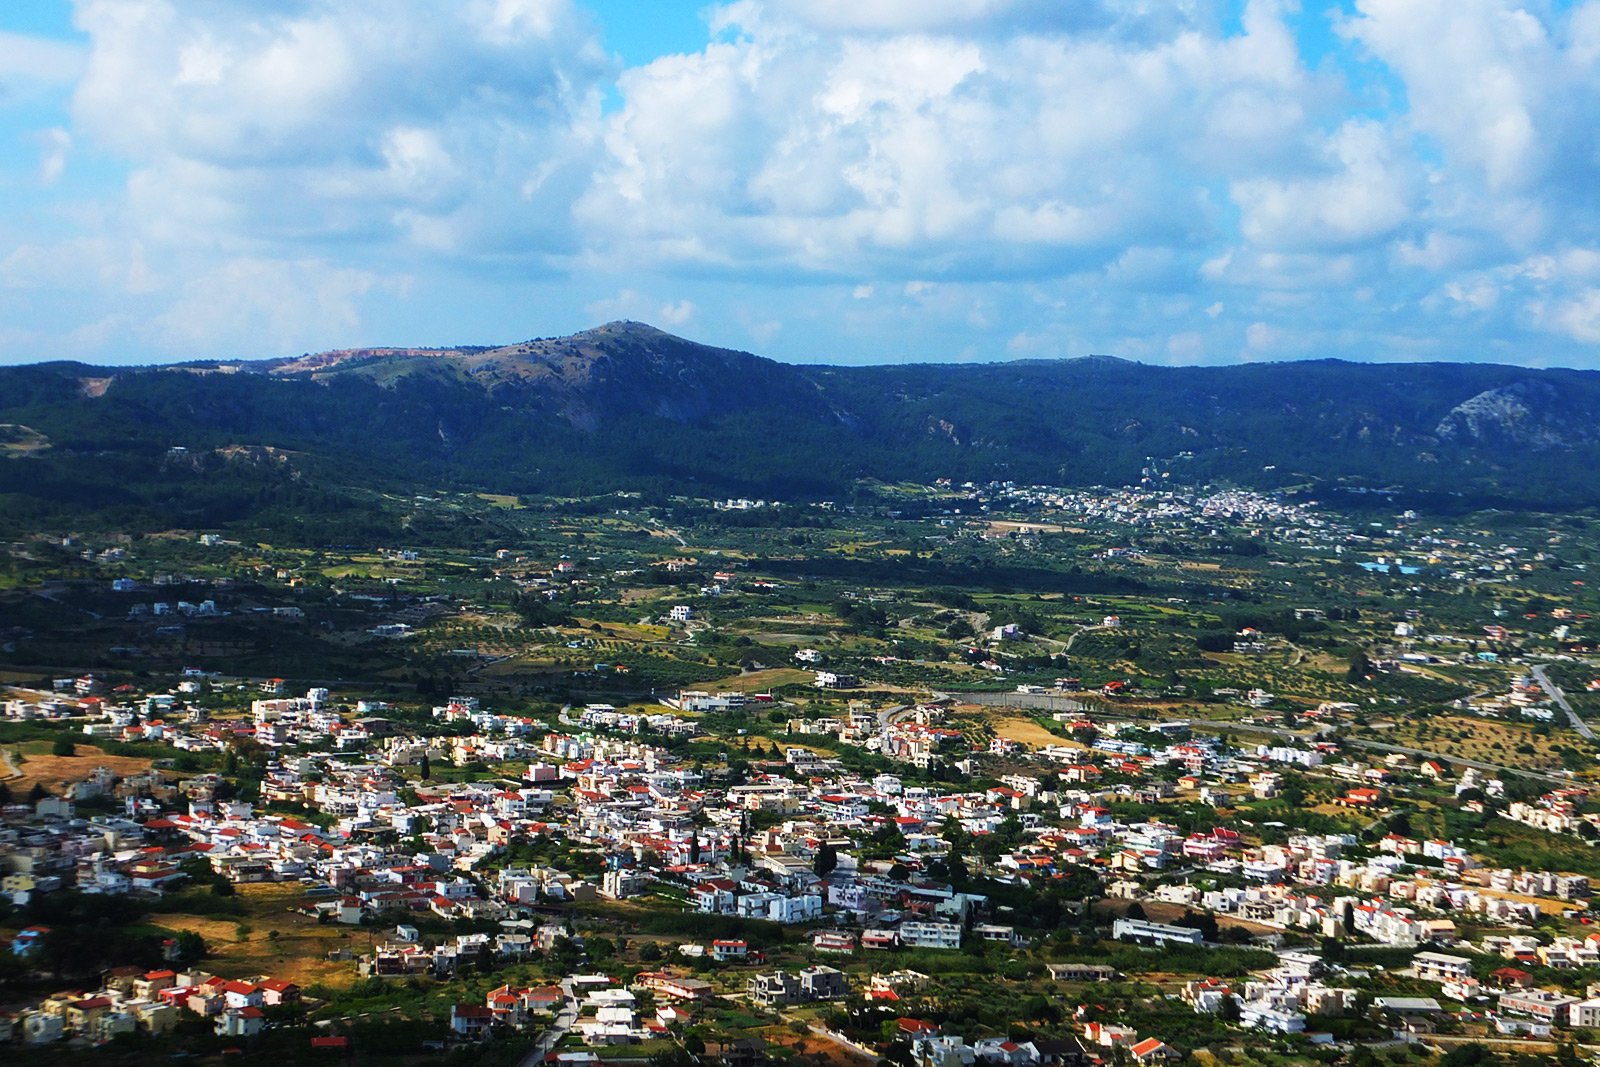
{"type": "Point", "coordinates": [1030, 733]}
{"type": "Point", "coordinates": [761, 681]}
{"type": "Point", "coordinates": [816, 1049]}
{"type": "Point", "coordinates": [53, 772]}
{"type": "Point", "coordinates": [300, 951]}
{"type": "Point", "coordinates": [1545, 905]}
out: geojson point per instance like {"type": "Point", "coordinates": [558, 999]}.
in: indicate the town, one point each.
{"type": "Point", "coordinates": [1134, 775]}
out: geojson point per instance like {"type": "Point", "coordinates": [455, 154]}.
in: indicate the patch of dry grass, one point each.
{"type": "Point", "coordinates": [299, 952]}
{"type": "Point", "coordinates": [55, 773]}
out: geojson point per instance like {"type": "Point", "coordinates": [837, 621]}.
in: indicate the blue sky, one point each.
{"type": "Point", "coordinates": [1174, 181]}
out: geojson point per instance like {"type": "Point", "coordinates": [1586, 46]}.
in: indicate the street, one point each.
{"type": "Point", "coordinates": [1560, 698]}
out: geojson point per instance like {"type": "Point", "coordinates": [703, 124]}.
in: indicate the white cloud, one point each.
{"type": "Point", "coordinates": [626, 304]}
{"type": "Point", "coordinates": [1260, 337]}
{"type": "Point", "coordinates": [260, 308]}
{"type": "Point", "coordinates": [678, 313]}
{"type": "Point", "coordinates": [464, 130]}
{"type": "Point", "coordinates": [1579, 317]}
{"type": "Point", "coordinates": [802, 145]}
{"type": "Point", "coordinates": [1367, 194]}
{"type": "Point", "coordinates": [29, 63]}
{"type": "Point", "coordinates": [54, 146]}
{"type": "Point", "coordinates": [1489, 79]}
{"type": "Point", "coordinates": [850, 179]}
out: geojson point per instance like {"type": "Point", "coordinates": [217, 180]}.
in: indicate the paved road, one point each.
{"type": "Point", "coordinates": [1080, 631]}
{"type": "Point", "coordinates": [565, 1020]}
{"type": "Point", "coordinates": [1037, 702]}
{"type": "Point", "coordinates": [889, 716]}
{"type": "Point", "coordinates": [1379, 746]}
{"type": "Point", "coordinates": [1560, 698]}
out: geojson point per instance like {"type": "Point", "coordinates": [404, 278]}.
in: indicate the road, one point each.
{"type": "Point", "coordinates": [565, 1020]}
{"type": "Point", "coordinates": [674, 534]}
{"type": "Point", "coordinates": [1037, 701]}
{"type": "Point", "coordinates": [892, 715]}
{"type": "Point", "coordinates": [1080, 631]}
{"type": "Point", "coordinates": [1560, 698]}
{"type": "Point", "coordinates": [1379, 746]}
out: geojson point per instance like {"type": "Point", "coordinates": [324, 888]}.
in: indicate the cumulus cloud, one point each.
{"type": "Point", "coordinates": [54, 146]}
{"type": "Point", "coordinates": [847, 178]}
{"type": "Point", "coordinates": [459, 130]}
{"type": "Point", "coordinates": [1491, 81]}
{"type": "Point", "coordinates": [798, 146]}
{"type": "Point", "coordinates": [29, 63]}
{"type": "Point", "coordinates": [263, 307]}
{"type": "Point", "coordinates": [328, 152]}
{"type": "Point", "coordinates": [1367, 193]}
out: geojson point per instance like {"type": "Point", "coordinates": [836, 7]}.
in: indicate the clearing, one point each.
{"type": "Point", "coordinates": [1030, 733]}
{"type": "Point", "coordinates": [299, 952]}
{"type": "Point", "coordinates": [761, 681]}
{"type": "Point", "coordinates": [55, 773]}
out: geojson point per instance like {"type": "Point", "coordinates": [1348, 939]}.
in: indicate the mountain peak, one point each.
{"type": "Point", "coordinates": [626, 328]}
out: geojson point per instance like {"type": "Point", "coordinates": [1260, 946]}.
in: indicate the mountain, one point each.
{"type": "Point", "coordinates": [615, 371]}
{"type": "Point", "coordinates": [627, 406]}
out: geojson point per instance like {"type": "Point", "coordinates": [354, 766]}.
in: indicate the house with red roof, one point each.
{"type": "Point", "coordinates": [147, 985]}
{"type": "Point", "coordinates": [240, 1022]}
{"type": "Point", "coordinates": [470, 1020]}
{"type": "Point", "coordinates": [724, 951]}
{"type": "Point", "coordinates": [915, 1028]}
{"type": "Point", "coordinates": [241, 995]}
{"type": "Point", "coordinates": [277, 991]}
{"type": "Point", "coordinates": [1151, 1050]}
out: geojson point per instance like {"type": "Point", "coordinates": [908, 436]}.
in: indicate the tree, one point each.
{"type": "Point", "coordinates": [1467, 1056]}
{"type": "Point", "coordinates": [63, 746]}
{"type": "Point", "coordinates": [955, 857]}
{"type": "Point", "coordinates": [189, 947]}
{"type": "Point", "coordinates": [1203, 921]}
{"type": "Point", "coordinates": [221, 887]}
{"type": "Point", "coordinates": [1135, 911]}
{"type": "Point", "coordinates": [424, 769]}
{"type": "Point", "coordinates": [826, 860]}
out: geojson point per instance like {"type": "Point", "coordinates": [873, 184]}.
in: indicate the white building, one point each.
{"type": "Point", "coordinates": [930, 935]}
